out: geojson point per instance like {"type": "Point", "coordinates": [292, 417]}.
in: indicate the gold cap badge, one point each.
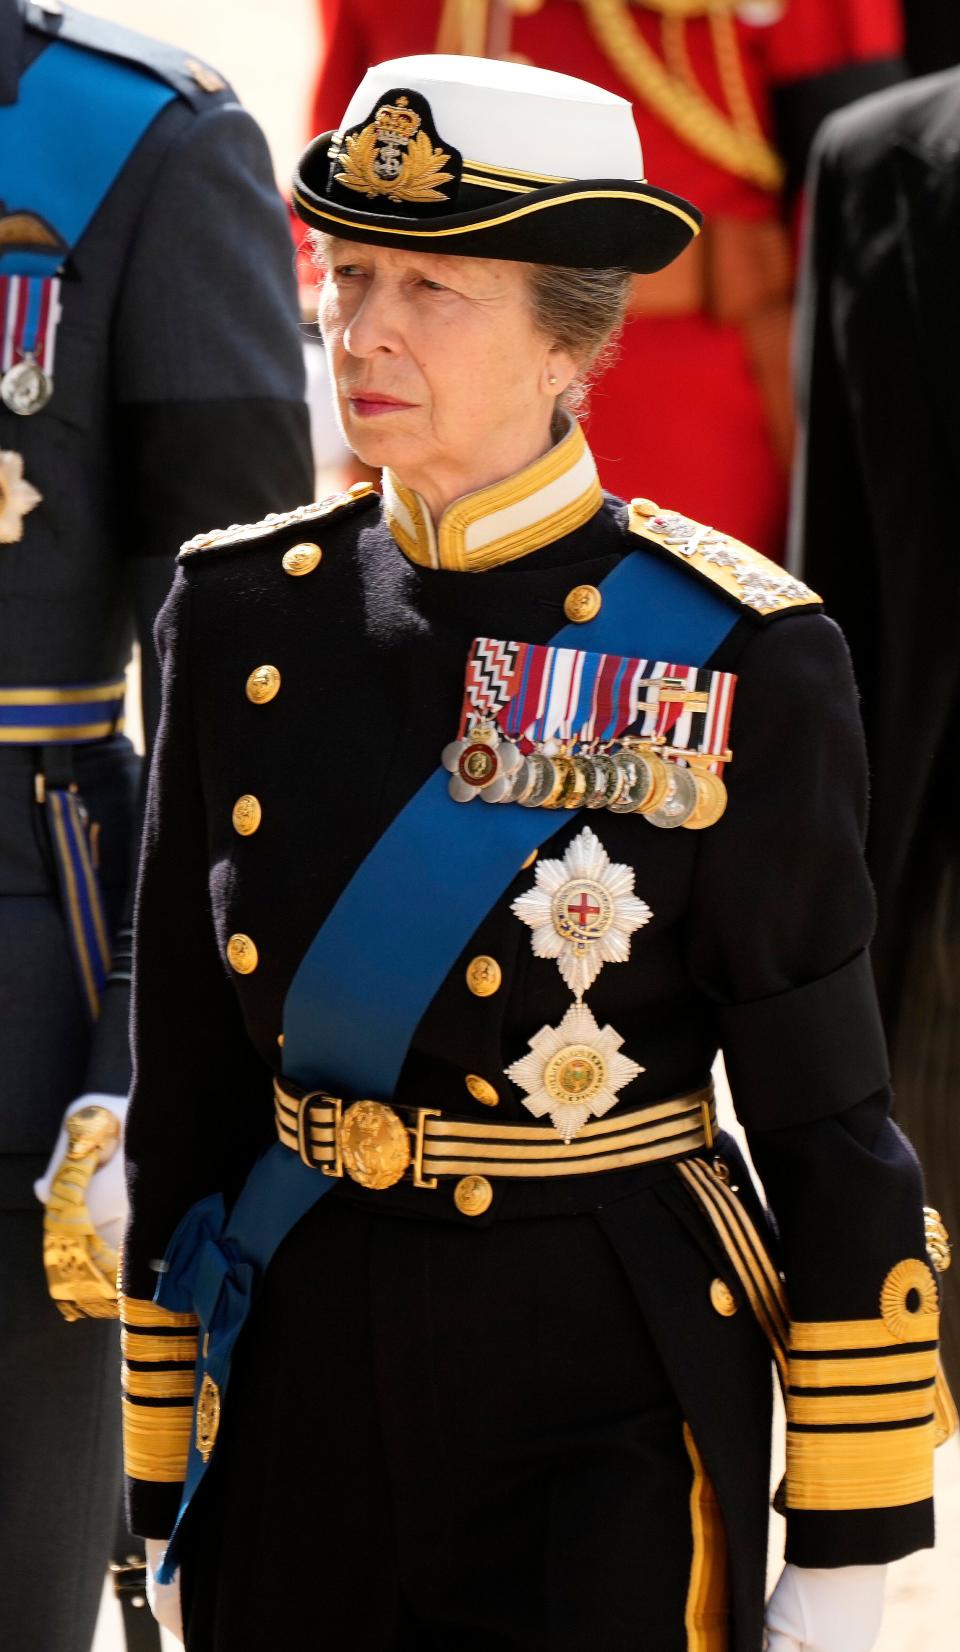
{"type": "Point", "coordinates": [397, 154]}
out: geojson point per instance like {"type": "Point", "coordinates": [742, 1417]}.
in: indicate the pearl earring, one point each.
{"type": "Point", "coordinates": [552, 378]}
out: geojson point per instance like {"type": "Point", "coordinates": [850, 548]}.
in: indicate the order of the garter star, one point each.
{"type": "Point", "coordinates": [582, 911]}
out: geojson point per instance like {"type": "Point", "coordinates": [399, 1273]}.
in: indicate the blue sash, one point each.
{"type": "Point", "coordinates": [367, 953]}
{"type": "Point", "coordinates": [78, 117]}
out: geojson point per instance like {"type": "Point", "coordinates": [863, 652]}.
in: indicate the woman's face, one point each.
{"type": "Point", "coordinates": [440, 372]}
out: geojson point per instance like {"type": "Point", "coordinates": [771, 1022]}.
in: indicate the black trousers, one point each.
{"type": "Point", "coordinates": [447, 1438]}
{"type": "Point", "coordinates": [60, 1467]}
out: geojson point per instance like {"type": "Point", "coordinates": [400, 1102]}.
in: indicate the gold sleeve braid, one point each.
{"type": "Point", "coordinates": [159, 1358]}
{"type": "Point", "coordinates": [732, 141]}
{"type": "Point", "coordinates": [864, 1410]}
{"type": "Point", "coordinates": [866, 1400]}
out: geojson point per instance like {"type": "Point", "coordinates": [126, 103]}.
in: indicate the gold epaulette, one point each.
{"type": "Point", "coordinates": [740, 572]}
{"type": "Point", "coordinates": [239, 534]}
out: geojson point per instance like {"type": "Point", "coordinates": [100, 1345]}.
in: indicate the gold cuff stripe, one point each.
{"type": "Point", "coordinates": [861, 1408]}
{"type": "Point", "coordinates": [151, 1350]}
{"type": "Point", "coordinates": [158, 1385]}
{"type": "Point", "coordinates": [32, 735]}
{"type": "Point", "coordinates": [62, 696]}
{"type": "Point", "coordinates": [869, 1372]}
{"type": "Point", "coordinates": [706, 1619]}
{"type": "Point", "coordinates": [846, 1335]}
{"type": "Point", "coordinates": [156, 1441]}
{"type": "Point", "coordinates": [874, 1470]}
{"type": "Point", "coordinates": [316, 211]}
{"type": "Point", "coordinates": [135, 1310]}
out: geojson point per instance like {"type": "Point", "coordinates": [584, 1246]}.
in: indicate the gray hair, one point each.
{"type": "Point", "coordinates": [583, 312]}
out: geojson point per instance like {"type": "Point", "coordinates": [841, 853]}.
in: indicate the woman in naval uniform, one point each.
{"type": "Point", "coordinates": [483, 815]}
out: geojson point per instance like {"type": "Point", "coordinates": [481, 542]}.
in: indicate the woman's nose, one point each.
{"type": "Point", "coordinates": [371, 328]}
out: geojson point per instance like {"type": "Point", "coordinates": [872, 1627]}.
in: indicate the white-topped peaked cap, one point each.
{"type": "Point", "coordinates": [513, 115]}
{"type": "Point", "coordinates": [483, 158]}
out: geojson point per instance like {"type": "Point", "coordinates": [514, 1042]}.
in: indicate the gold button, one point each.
{"type": "Point", "coordinates": [263, 684]}
{"type": "Point", "coordinates": [281, 1039]}
{"type": "Point", "coordinates": [301, 559]}
{"type": "Point", "coordinates": [481, 1091]}
{"type": "Point", "coordinates": [582, 603]}
{"type": "Point", "coordinates": [473, 1195]}
{"type": "Point", "coordinates": [484, 976]}
{"type": "Point", "coordinates": [645, 507]}
{"type": "Point", "coordinates": [722, 1298]}
{"type": "Point", "coordinates": [247, 814]}
{"type": "Point", "coordinates": [242, 954]}
{"type": "Point", "coordinates": [530, 860]}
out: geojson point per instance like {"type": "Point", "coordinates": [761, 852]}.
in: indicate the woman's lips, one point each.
{"type": "Point", "coordinates": [371, 404]}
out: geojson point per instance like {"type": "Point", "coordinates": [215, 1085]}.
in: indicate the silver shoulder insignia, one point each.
{"type": "Point", "coordinates": [740, 571]}
{"type": "Point", "coordinates": [238, 534]}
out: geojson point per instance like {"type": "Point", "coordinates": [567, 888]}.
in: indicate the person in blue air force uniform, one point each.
{"type": "Point", "coordinates": [146, 380]}
{"type": "Point", "coordinates": [483, 815]}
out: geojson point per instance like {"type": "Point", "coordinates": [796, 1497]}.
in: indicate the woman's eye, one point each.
{"type": "Point", "coordinates": [434, 286]}
{"type": "Point", "coordinates": [344, 272]}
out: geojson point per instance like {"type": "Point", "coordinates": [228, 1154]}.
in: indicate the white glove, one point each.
{"type": "Point", "coordinates": [825, 1609]}
{"type": "Point", "coordinates": [163, 1598]}
{"type": "Point", "coordinates": [107, 1194]}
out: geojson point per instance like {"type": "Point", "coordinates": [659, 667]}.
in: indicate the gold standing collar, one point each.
{"type": "Point", "coordinates": [547, 499]}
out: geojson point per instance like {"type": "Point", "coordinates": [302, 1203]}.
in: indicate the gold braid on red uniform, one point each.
{"type": "Point", "coordinates": [734, 140]}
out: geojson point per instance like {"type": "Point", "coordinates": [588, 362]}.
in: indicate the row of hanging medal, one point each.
{"type": "Point", "coordinates": [555, 761]}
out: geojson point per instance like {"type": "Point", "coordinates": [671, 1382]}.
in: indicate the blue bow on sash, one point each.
{"type": "Point", "coordinates": [365, 953]}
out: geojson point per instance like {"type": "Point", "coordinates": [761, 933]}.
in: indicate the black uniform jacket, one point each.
{"type": "Point", "coordinates": [756, 945]}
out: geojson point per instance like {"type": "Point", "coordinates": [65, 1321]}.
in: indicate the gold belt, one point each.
{"type": "Point", "coordinates": [377, 1145]}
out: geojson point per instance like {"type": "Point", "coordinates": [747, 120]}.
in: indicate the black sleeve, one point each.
{"type": "Point", "coordinates": [211, 426]}
{"type": "Point", "coordinates": [784, 914]}
{"type": "Point", "coordinates": [832, 539]}
{"type": "Point", "coordinates": [197, 1104]}
{"type": "Point", "coordinates": [212, 423]}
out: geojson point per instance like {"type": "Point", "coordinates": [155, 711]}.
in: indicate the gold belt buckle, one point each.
{"type": "Point", "coordinates": [374, 1145]}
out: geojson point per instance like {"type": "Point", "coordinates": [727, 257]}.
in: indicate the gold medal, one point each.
{"type": "Point", "coordinates": [563, 771]}
{"type": "Point", "coordinates": [660, 778]}
{"type": "Point", "coordinates": [711, 800]}
{"type": "Point", "coordinates": [574, 785]}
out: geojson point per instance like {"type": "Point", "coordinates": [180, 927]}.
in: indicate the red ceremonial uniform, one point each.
{"type": "Point", "coordinates": [697, 405]}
